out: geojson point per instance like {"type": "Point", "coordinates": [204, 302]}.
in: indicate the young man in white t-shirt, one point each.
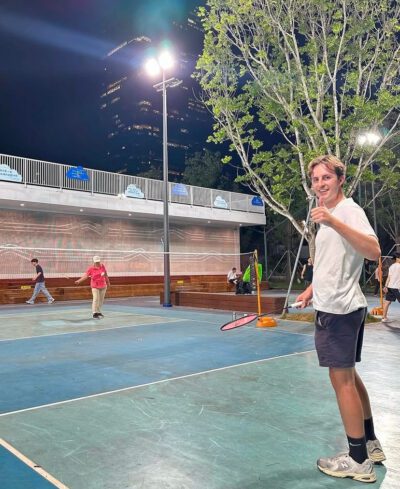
{"type": "Point", "coordinates": [232, 277]}
{"type": "Point", "coordinates": [392, 286]}
{"type": "Point", "coordinates": [344, 239]}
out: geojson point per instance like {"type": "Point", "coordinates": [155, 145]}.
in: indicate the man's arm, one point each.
{"type": "Point", "coordinates": [83, 278]}
{"type": "Point", "coordinates": [36, 276]}
{"type": "Point", "coordinates": [365, 244]}
{"type": "Point", "coordinates": [387, 281]}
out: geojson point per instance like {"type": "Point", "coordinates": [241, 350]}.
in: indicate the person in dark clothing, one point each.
{"type": "Point", "coordinates": [307, 272]}
{"type": "Point", "coordinates": [40, 285]}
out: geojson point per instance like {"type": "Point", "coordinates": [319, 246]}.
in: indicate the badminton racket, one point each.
{"type": "Point", "coordinates": [237, 323]}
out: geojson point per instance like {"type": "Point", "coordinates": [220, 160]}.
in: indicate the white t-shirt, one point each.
{"type": "Point", "coordinates": [231, 275]}
{"type": "Point", "coordinates": [393, 281]}
{"type": "Point", "coordinates": [338, 265]}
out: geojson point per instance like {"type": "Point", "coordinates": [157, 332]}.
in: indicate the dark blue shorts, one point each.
{"type": "Point", "coordinates": [339, 338]}
{"type": "Point", "coordinates": [393, 295]}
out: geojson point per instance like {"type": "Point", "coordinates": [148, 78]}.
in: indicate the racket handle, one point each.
{"type": "Point", "coordinates": [297, 304]}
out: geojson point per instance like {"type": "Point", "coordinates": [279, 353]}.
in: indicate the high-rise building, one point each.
{"type": "Point", "coordinates": [132, 109]}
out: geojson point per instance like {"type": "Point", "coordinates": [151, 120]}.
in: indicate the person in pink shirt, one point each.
{"type": "Point", "coordinates": [98, 282]}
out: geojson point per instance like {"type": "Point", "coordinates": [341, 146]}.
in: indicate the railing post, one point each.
{"type": "Point", "coordinates": [60, 176]}
{"type": "Point", "coordinates": [25, 172]}
{"type": "Point", "coordinates": [92, 182]}
{"type": "Point", "coordinates": [120, 191]}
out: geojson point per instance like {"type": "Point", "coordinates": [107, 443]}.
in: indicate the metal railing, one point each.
{"type": "Point", "coordinates": [28, 171]}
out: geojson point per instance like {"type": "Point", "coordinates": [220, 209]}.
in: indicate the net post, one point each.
{"type": "Point", "coordinates": [264, 321]}
{"type": "Point", "coordinates": [257, 282]}
{"type": "Point", "coordinates": [378, 311]}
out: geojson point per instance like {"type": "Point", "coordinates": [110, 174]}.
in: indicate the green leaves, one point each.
{"type": "Point", "coordinates": [307, 75]}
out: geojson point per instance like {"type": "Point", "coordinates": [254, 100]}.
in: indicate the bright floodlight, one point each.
{"type": "Point", "coordinates": [369, 138]}
{"type": "Point", "coordinates": [166, 60]}
{"type": "Point", "coordinates": [152, 67]}
{"type": "Point", "coordinates": [373, 138]}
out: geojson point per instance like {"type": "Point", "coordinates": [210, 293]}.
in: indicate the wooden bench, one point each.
{"type": "Point", "coordinates": [63, 289]}
{"type": "Point", "coordinates": [226, 301]}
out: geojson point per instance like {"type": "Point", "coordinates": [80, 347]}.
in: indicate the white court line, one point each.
{"type": "Point", "coordinates": [78, 301]}
{"type": "Point", "coordinates": [91, 330]}
{"type": "Point", "coordinates": [249, 326]}
{"type": "Point", "coordinates": [49, 313]}
{"type": "Point", "coordinates": [116, 391]}
{"type": "Point", "coordinates": [32, 465]}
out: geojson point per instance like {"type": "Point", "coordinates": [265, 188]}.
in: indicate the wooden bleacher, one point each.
{"type": "Point", "coordinates": [14, 291]}
{"type": "Point", "coordinates": [227, 301]}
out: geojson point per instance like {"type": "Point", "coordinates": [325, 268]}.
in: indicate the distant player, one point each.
{"type": "Point", "coordinates": [40, 285]}
{"type": "Point", "coordinates": [392, 286]}
{"type": "Point", "coordinates": [98, 282]}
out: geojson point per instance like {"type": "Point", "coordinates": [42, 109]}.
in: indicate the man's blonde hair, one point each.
{"type": "Point", "coordinates": [331, 162]}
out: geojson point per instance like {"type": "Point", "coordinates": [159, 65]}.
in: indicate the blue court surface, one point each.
{"type": "Point", "coordinates": [152, 397]}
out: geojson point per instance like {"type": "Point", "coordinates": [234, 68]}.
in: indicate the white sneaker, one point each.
{"type": "Point", "coordinates": [51, 301]}
{"type": "Point", "coordinates": [343, 465]}
{"type": "Point", "coordinates": [385, 320]}
{"type": "Point", "coordinates": [29, 302]}
{"type": "Point", "coordinates": [375, 452]}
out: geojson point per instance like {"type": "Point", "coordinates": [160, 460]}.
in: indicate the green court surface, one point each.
{"type": "Point", "coordinates": [246, 409]}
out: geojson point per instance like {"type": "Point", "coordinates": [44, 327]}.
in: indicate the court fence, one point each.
{"type": "Point", "coordinates": [28, 171]}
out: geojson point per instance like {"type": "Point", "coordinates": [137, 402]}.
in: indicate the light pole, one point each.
{"type": "Point", "coordinates": [154, 66]}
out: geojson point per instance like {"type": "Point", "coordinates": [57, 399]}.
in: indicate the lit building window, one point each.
{"type": "Point", "coordinates": [144, 102]}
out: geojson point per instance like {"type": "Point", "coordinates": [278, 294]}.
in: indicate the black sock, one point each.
{"type": "Point", "coordinates": [358, 449]}
{"type": "Point", "coordinates": [369, 429]}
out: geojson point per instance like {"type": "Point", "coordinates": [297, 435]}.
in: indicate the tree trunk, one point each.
{"type": "Point", "coordinates": [289, 251]}
{"type": "Point", "coordinates": [311, 246]}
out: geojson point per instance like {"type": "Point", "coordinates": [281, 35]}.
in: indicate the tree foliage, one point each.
{"type": "Point", "coordinates": [313, 74]}
{"type": "Point", "coordinates": [205, 169]}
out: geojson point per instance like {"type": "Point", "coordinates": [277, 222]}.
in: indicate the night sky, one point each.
{"type": "Point", "coordinates": [51, 67]}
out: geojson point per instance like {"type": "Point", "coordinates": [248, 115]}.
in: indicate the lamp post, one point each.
{"type": "Point", "coordinates": [154, 66]}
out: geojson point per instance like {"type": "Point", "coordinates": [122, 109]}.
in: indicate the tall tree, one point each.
{"type": "Point", "coordinates": [316, 74]}
{"type": "Point", "coordinates": [205, 169]}
{"type": "Point", "coordinates": [388, 212]}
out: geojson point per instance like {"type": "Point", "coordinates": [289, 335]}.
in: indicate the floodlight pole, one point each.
{"type": "Point", "coordinates": [171, 82]}
{"type": "Point", "coordinates": [167, 270]}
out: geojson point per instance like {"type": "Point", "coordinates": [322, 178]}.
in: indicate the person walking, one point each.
{"type": "Point", "coordinates": [392, 286]}
{"type": "Point", "coordinates": [345, 237]}
{"type": "Point", "coordinates": [40, 285]}
{"type": "Point", "coordinates": [377, 278]}
{"type": "Point", "coordinates": [99, 282]}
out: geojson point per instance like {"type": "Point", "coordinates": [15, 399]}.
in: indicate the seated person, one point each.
{"type": "Point", "coordinates": [244, 286]}
{"type": "Point", "coordinates": [233, 276]}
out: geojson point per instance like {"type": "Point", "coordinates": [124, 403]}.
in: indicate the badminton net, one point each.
{"type": "Point", "coordinates": [69, 262]}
